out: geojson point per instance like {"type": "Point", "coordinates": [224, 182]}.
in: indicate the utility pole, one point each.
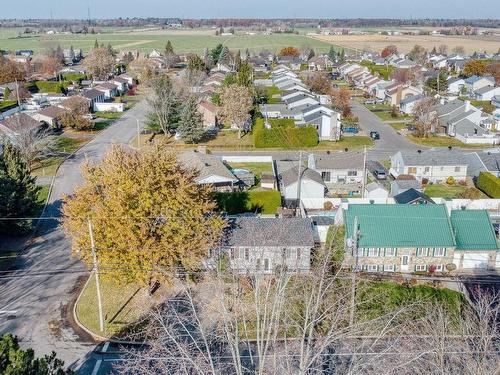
{"type": "Point", "coordinates": [299, 180]}
{"type": "Point", "coordinates": [354, 250]}
{"type": "Point", "coordinates": [17, 94]}
{"type": "Point", "coordinates": [364, 173]}
{"type": "Point", "coordinates": [96, 272]}
{"type": "Point", "coordinates": [138, 134]}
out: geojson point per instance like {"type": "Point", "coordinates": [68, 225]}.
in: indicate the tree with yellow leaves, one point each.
{"type": "Point", "coordinates": [150, 217]}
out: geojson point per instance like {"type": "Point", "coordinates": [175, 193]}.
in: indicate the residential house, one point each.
{"type": "Point", "coordinates": [212, 171]}
{"type": "Point", "coordinates": [109, 89]}
{"type": "Point", "coordinates": [264, 246]}
{"type": "Point", "coordinates": [326, 121]}
{"type": "Point", "coordinates": [375, 190]}
{"type": "Point", "coordinates": [320, 63]}
{"type": "Point", "coordinates": [455, 85]}
{"type": "Point", "coordinates": [474, 83]}
{"type": "Point", "coordinates": [19, 123]}
{"type": "Point", "coordinates": [433, 166]}
{"type": "Point", "coordinates": [484, 161]}
{"type": "Point", "coordinates": [50, 115]}
{"type": "Point", "coordinates": [398, 237]}
{"type": "Point", "coordinates": [407, 105]}
{"type": "Point", "coordinates": [155, 54]}
{"type": "Point", "coordinates": [300, 100]}
{"type": "Point", "coordinates": [400, 186]}
{"type": "Point", "coordinates": [128, 78]}
{"type": "Point", "coordinates": [393, 96]}
{"type": "Point", "coordinates": [341, 174]}
{"type": "Point", "coordinates": [404, 64]}
{"type": "Point", "coordinates": [311, 183]}
{"type": "Point", "coordinates": [210, 113]}
{"type": "Point", "coordinates": [93, 96]}
{"type": "Point", "coordinates": [487, 93]}
{"type": "Point", "coordinates": [412, 196]}
{"type": "Point", "coordinates": [121, 83]}
{"type": "Point", "coordinates": [476, 242]}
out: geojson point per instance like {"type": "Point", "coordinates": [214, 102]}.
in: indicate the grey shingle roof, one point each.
{"type": "Point", "coordinates": [428, 157]}
{"type": "Point", "coordinates": [291, 176]}
{"type": "Point", "coordinates": [490, 160]}
{"type": "Point", "coordinates": [91, 94]}
{"type": "Point", "coordinates": [275, 232]}
{"type": "Point", "coordinates": [207, 165]}
{"type": "Point", "coordinates": [484, 90]}
{"type": "Point", "coordinates": [466, 126]}
{"type": "Point", "coordinates": [443, 109]}
{"type": "Point", "coordinates": [410, 196]}
{"type": "Point", "coordinates": [340, 162]}
{"type": "Point", "coordinates": [408, 184]}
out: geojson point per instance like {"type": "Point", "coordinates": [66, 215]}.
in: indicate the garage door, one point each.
{"type": "Point", "coordinates": [475, 260]}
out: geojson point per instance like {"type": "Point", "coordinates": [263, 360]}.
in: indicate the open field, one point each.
{"type": "Point", "coordinates": [184, 41]}
{"type": "Point", "coordinates": [406, 42]}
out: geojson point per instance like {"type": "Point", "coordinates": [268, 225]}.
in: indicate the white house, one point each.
{"type": "Point", "coordinates": [455, 85]}
{"type": "Point", "coordinates": [487, 93]}
{"type": "Point", "coordinates": [312, 185]}
{"type": "Point", "coordinates": [474, 83]}
{"type": "Point", "coordinates": [435, 166]}
{"type": "Point", "coordinates": [408, 104]}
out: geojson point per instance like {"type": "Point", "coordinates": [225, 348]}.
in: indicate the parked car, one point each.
{"type": "Point", "coordinates": [351, 130]}
{"type": "Point", "coordinates": [380, 174]}
{"type": "Point", "coordinates": [374, 135]}
{"type": "Point", "coordinates": [370, 101]}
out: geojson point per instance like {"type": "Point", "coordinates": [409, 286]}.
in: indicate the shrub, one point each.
{"type": "Point", "coordinates": [328, 205]}
{"type": "Point", "coordinates": [432, 269]}
{"type": "Point", "coordinates": [450, 180]}
{"type": "Point", "coordinates": [425, 181]}
{"type": "Point", "coordinates": [489, 184]}
{"type": "Point", "coordinates": [284, 134]}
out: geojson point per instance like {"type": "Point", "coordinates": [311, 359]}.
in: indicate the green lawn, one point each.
{"type": "Point", "coordinates": [398, 125]}
{"type": "Point", "coordinates": [272, 91]}
{"type": "Point", "coordinates": [445, 141]}
{"type": "Point", "coordinates": [354, 142]}
{"type": "Point", "coordinates": [67, 144]}
{"type": "Point", "coordinates": [51, 87]}
{"type": "Point", "coordinates": [7, 104]}
{"type": "Point", "coordinates": [444, 191]}
{"type": "Point", "coordinates": [256, 168]}
{"type": "Point", "coordinates": [380, 106]}
{"type": "Point", "coordinates": [109, 115]}
{"type": "Point", "coordinates": [386, 116]}
{"type": "Point", "coordinates": [122, 305]}
{"type": "Point", "coordinates": [265, 202]}
{"type": "Point", "coordinates": [383, 70]}
{"type": "Point", "coordinates": [184, 42]}
{"type": "Point", "coordinates": [47, 167]}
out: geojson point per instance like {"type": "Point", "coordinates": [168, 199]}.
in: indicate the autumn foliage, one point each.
{"type": "Point", "coordinates": [389, 50]}
{"type": "Point", "coordinates": [290, 51]}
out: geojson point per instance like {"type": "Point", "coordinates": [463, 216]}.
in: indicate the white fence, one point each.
{"type": "Point", "coordinates": [487, 139]}
{"type": "Point", "coordinates": [318, 203]}
{"type": "Point", "coordinates": [248, 159]}
{"type": "Point", "coordinates": [470, 204]}
{"type": "Point", "coordinates": [109, 107]}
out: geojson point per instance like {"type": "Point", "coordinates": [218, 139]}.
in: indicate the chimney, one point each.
{"type": "Point", "coordinates": [467, 105]}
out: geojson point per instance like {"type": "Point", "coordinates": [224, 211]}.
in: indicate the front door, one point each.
{"type": "Point", "coordinates": [404, 263]}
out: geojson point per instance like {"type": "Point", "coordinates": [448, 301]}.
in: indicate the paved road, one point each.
{"type": "Point", "coordinates": [39, 293]}
{"type": "Point", "coordinates": [390, 141]}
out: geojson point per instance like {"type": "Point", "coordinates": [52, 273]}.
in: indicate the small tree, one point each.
{"type": "Point", "coordinates": [389, 50]}
{"type": "Point", "coordinates": [236, 105]}
{"type": "Point", "coordinates": [100, 63]}
{"type": "Point", "coordinates": [191, 126]}
{"type": "Point", "coordinates": [290, 51]}
{"type": "Point", "coordinates": [76, 116]}
{"type": "Point", "coordinates": [340, 99]}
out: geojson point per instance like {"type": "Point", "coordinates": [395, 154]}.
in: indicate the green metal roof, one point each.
{"type": "Point", "coordinates": [473, 230]}
{"type": "Point", "coordinates": [399, 225]}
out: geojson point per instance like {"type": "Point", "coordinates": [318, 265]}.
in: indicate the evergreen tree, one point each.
{"type": "Point", "coordinates": [191, 122]}
{"type": "Point", "coordinates": [18, 190]}
{"type": "Point", "coordinates": [71, 53]}
{"type": "Point", "coordinates": [169, 49]}
{"type": "Point", "coordinates": [247, 54]}
{"type": "Point", "coordinates": [215, 53]}
{"type": "Point", "coordinates": [332, 54]}
{"type": "Point", "coordinates": [311, 54]}
{"type": "Point", "coordinates": [111, 50]}
{"type": "Point", "coordinates": [245, 75]}
{"type": "Point", "coordinates": [342, 55]}
{"type": "Point", "coordinates": [434, 51]}
{"type": "Point", "coordinates": [237, 60]}
{"type": "Point", "coordinates": [96, 44]}
{"type": "Point", "coordinates": [224, 55]}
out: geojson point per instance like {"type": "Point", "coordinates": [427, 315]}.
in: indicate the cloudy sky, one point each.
{"type": "Point", "coordinates": [252, 8]}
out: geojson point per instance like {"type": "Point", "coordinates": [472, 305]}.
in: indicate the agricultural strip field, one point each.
{"type": "Point", "coordinates": [183, 42]}
{"type": "Point", "coordinates": [405, 43]}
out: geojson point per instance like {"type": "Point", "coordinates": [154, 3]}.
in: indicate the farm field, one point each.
{"type": "Point", "coordinates": [184, 41]}
{"type": "Point", "coordinates": [406, 42]}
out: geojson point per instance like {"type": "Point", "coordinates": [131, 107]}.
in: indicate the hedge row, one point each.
{"type": "Point", "coordinates": [284, 134]}
{"type": "Point", "coordinates": [489, 184]}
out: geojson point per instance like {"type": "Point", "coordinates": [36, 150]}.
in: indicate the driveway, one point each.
{"type": "Point", "coordinates": [39, 293]}
{"type": "Point", "coordinates": [390, 141]}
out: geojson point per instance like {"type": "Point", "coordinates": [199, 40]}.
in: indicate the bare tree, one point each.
{"type": "Point", "coordinates": [236, 106]}
{"type": "Point", "coordinates": [425, 117]}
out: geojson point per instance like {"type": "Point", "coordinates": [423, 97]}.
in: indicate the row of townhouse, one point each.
{"type": "Point", "coordinates": [378, 238]}
{"type": "Point", "coordinates": [476, 87]}
{"type": "Point", "coordinates": [301, 105]}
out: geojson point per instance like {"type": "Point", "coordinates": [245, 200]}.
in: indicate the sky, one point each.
{"type": "Point", "coordinates": [251, 8]}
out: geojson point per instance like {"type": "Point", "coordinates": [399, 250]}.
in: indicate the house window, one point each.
{"type": "Point", "coordinates": [352, 173]}
{"type": "Point", "coordinates": [231, 253]}
{"type": "Point", "coordinates": [326, 176]}
{"type": "Point", "coordinates": [420, 267]}
{"type": "Point", "coordinates": [390, 252]}
{"type": "Point", "coordinates": [373, 252]}
{"type": "Point", "coordinates": [442, 169]}
{"type": "Point", "coordinates": [427, 169]}
{"type": "Point", "coordinates": [247, 254]}
{"type": "Point", "coordinates": [412, 170]}
{"type": "Point", "coordinates": [439, 268]}
{"type": "Point", "coordinates": [389, 267]}
{"type": "Point", "coordinates": [299, 251]}
{"type": "Point", "coordinates": [283, 253]}
{"type": "Point", "coordinates": [258, 264]}
{"type": "Point", "coordinates": [266, 264]}
{"type": "Point", "coordinates": [372, 268]}
{"type": "Point", "coordinates": [361, 252]}
{"type": "Point", "coordinates": [439, 252]}
{"type": "Point", "coordinates": [422, 251]}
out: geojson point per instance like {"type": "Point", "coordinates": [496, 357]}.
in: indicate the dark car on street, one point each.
{"type": "Point", "coordinates": [374, 135]}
